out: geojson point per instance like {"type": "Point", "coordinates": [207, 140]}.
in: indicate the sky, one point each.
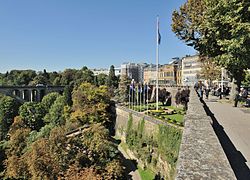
{"type": "Point", "coordinates": [59, 34]}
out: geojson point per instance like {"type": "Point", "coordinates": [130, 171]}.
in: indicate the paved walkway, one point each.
{"type": "Point", "coordinates": [232, 127]}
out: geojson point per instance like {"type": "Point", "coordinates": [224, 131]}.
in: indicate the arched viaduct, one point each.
{"type": "Point", "coordinates": [29, 93]}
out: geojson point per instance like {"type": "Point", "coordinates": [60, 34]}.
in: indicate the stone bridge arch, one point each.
{"type": "Point", "coordinates": [16, 92]}
{"type": "Point", "coordinates": [30, 93]}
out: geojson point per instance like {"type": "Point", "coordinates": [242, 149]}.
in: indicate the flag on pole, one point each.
{"type": "Point", "coordinates": [159, 34]}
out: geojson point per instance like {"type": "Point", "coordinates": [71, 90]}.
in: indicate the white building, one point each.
{"type": "Point", "coordinates": [191, 68]}
{"type": "Point", "coordinates": [106, 71]}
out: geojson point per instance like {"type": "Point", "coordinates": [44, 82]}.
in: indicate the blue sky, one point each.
{"type": "Point", "coordinates": [59, 34]}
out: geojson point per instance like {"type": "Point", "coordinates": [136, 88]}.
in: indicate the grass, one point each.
{"type": "Point", "coordinates": [176, 118]}
{"type": "Point", "coordinates": [124, 146]}
{"type": "Point", "coordinates": [146, 174]}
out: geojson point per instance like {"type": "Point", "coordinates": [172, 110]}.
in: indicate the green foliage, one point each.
{"type": "Point", "coordinates": [146, 174]}
{"type": "Point", "coordinates": [217, 29]}
{"type": "Point", "coordinates": [39, 79]}
{"type": "Point", "coordinates": [49, 100]}
{"type": "Point", "coordinates": [168, 140]}
{"type": "Point", "coordinates": [165, 143]}
{"type": "Point", "coordinates": [55, 115]}
{"type": "Point", "coordinates": [99, 149]}
{"type": "Point", "coordinates": [8, 110]}
{"type": "Point", "coordinates": [112, 79]}
{"type": "Point", "coordinates": [140, 128]}
{"type": "Point", "coordinates": [32, 114]}
{"type": "Point", "coordinates": [246, 81]}
{"type": "Point", "coordinates": [38, 146]}
{"type": "Point", "coordinates": [122, 95]}
{"type": "Point", "coordinates": [129, 125]}
{"type": "Point", "coordinates": [67, 93]}
{"type": "Point", "coordinates": [91, 104]}
{"type": "Point", "coordinates": [102, 79]}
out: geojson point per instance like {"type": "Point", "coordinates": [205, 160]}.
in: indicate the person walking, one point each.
{"type": "Point", "coordinates": [200, 89]}
{"type": "Point", "coordinates": [236, 97]}
{"type": "Point", "coordinates": [207, 89]}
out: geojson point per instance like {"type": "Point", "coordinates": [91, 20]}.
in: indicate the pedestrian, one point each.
{"type": "Point", "coordinates": [236, 97]}
{"type": "Point", "coordinates": [200, 90]}
{"type": "Point", "coordinates": [220, 92]}
{"type": "Point", "coordinates": [207, 89]}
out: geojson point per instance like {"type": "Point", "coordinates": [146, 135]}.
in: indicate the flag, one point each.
{"type": "Point", "coordinates": [158, 31]}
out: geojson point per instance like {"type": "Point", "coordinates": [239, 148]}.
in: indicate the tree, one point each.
{"type": "Point", "coordinates": [39, 79]}
{"type": "Point", "coordinates": [209, 70]}
{"type": "Point", "coordinates": [55, 115]}
{"type": "Point", "coordinates": [76, 173]}
{"type": "Point", "coordinates": [8, 110]}
{"type": "Point", "coordinates": [246, 81]}
{"type": "Point", "coordinates": [67, 76]}
{"type": "Point", "coordinates": [86, 76]}
{"type": "Point", "coordinates": [218, 29]}
{"type": "Point", "coordinates": [49, 100]}
{"type": "Point", "coordinates": [123, 88]}
{"type": "Point", "coordinates": [112, 79]}
{"type": "Point", "coordinates": [41, 162]}
{"type": "Point", "coordinates": [32, 114]}
{"type": "Point", "coordinates": [162, 95]}
{"type": "Point", "coordinates": [24, 77]}
{"type": "Point", "coordinates": [228, 27]}
{"type": "Point", "coordinates": [102, 79]}
{"type": "Point", "coordinates": [52, 76]}
{"type": "Point", "coordinates": [67, 93]}
{"type": "Point", "coordinates": [187, 21]}
{"type": "Point", "coordinates": [90, 104]}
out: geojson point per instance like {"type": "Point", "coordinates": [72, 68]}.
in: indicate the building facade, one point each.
{"type": "Point", "coordinates": [150, 74]}
{"type": "Point", "coordinates": [134, 71]}
{"type": "Point", "coordinates": [171, 74]}
{"type": "Point", "coordinates": [191, 68]}
{"type": "Point", "coordinates": [167, 74]}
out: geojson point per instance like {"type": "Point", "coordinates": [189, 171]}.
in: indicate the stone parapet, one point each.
{"type": "Point", "coordinates": [201, 155]}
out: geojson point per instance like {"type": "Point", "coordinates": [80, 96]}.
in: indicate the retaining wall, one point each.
{"type": "Point", "coordinates": [201, 155]}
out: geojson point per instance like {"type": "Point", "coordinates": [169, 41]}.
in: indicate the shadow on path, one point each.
{"type": "Point", "coordinates": [235, 158]}
{"type": "Point", "coordinates": [131, 170]}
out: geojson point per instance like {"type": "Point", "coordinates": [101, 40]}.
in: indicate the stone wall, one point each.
{"type": "Point", "coordinates": [151, 128]}
{"type": "Point", "coordinates": [201, 155]}
{"type": "Point", "coordinates": [151, 124]}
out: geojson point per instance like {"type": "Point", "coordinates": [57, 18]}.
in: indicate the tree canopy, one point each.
{"type": "Point", "coordinates": [219, 29]}
{"type": "Point", "coordinates": [90, 104]}
{"type": "Point", "coordinates": [8, 110]}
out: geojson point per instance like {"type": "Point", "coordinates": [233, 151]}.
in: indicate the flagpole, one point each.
{"type": "Point", "coordinates": [140, 90]}
{"type": "Point", "coordinates": [157, 63]}
{"type": "Point", "coordinates": [129, 96]}
{"type": "Point", "coordinates": [137, 96]}
{"type": "Point", "coordinates": [144, 95]}
{"type": "Point", "coordinates": [132, 94]}
{"type": "Point", "coordinates": [147, 98]}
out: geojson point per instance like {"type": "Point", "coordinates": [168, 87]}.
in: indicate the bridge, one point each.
{"type": "Point", "coordinates": [29, 93]}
